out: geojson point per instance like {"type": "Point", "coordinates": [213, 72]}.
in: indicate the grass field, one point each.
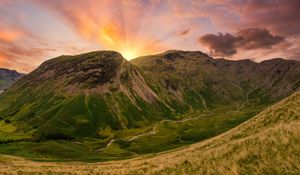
{"type": "Point", "coordinates": [269, 143]}
{"type": "Point", "coordinates": [122, 144]}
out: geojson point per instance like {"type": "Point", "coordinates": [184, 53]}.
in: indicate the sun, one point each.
{"type": "Point", "coordinates": [129, 54]}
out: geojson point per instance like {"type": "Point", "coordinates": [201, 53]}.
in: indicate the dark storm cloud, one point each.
{"type": "Point", "coordinates": [250, 38]}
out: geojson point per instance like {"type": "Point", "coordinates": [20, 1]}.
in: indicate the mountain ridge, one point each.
{"type": "Point", "coordinates": [177, 80]}
{"type": "Point", "coordinates": [205, 69]}
{"type": "Point", "coordinates": [100, 100]}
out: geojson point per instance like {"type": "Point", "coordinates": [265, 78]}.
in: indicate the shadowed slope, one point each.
{"type": "Point", "coordinates": [7, 78]}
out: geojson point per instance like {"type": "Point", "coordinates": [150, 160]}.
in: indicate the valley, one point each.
{"type": "Point", "coordinates": [97, 107]}
{"type": "Point", "coordinates": [266, 144]}
{"type": "Point", "coordinates": [160, 136]}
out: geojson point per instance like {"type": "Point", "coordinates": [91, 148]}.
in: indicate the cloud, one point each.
{"type": "Point", "coordinates": [254, 38]}
{"type": "Point", "coordinates": [21, 56]}
{"type": "Point", "coordinates": [247, 39]}
{"type": "Point", "coordinates": [113, 24]}
{"type": "Point", "coordinates": [280, 16]}
{"type": "Point", "coordinates": [29, 36]}
{"type": "Point", "coordinates": [184, 32]}
{"type": "Point", "coordinates": [9, 35]}
{"type": "Point", "coordinates": [221, 44]}
{"type": "Point", "coordinates": [142, 27]}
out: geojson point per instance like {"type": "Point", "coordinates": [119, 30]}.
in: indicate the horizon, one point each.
{"type": "Point", "coordinates": [216, 58]}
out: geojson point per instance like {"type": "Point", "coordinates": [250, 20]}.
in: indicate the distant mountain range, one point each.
{"type": "Point", "coordinates": [101, 95]}
{"type": "Point", "coordinates": [8, 77]}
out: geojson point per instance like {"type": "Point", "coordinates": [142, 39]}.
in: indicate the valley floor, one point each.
{"type": "Point", "coordinates": [160, 136]}
{"type": "Point", "coordinates": [269, 143]}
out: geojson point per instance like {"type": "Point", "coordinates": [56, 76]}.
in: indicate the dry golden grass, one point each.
{"type": "Point", "coordinates": [267, 144]}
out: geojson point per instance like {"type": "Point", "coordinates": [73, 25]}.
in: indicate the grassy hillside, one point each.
{"type": "Point", "coordinates": [269, 143]}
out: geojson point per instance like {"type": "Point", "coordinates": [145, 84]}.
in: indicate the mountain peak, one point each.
{"type": "Point", "coordinates": [99, 72]}
{"type": "Point", "coordinates": [179, 54]}
{"type": "Point", "coordinates": [95, 55]}
{"type": "Point", "coordinates": [88, 69]}
{"type": "Point", "coordinates": [273, 60]}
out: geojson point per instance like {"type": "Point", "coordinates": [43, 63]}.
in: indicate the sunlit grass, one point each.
{"type": "Point", "coordinates": [267, 144]}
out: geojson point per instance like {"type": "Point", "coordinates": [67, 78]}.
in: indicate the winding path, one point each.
{"type": "Point", "coordinates": [153, 131]}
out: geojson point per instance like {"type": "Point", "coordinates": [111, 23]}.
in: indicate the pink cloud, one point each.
{"type": "Point", "coordinates": [246, 39]}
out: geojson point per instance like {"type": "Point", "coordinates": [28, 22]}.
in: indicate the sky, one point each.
{"type": "Point", "coordinates": [33, 31]}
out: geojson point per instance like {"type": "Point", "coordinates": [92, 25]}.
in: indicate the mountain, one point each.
{"type": "Point", "coordinates": [266, 144]}
{"type": "Point", "coordinates": [80, 95]}
{"type": "Point", "coordinates": [192, 78]}
{"type": "Point", "coordinates": [97, 106]}
{"type": "Point", "coordinates": [8, 77]}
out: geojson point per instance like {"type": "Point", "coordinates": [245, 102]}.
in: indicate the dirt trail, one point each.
{"type": "Point", "coordinates": [108, 144]}
{"type": "Point", "coordinates": [153, 131]}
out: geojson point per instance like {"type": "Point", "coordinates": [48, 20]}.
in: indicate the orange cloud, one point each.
{"type": "Point", "coordinates": [142, 27]}
{"type": "Point", "coordinates": [19, 48]}
{"type": "Point", "coordinates": [2, 59]}
{"type": "Point", "coordinates": [10, 33]}
{"type": "Point", "coordinates": [9, 36]}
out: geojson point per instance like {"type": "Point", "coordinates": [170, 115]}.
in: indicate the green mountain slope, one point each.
{"type": "Point", "coordinates": [192, 78]}
{"type": "Point", "coordinates": [102, 107]}
{"type": "Point", "coordinates": [73, 96]}
{"type": "Point", "coordinates": [269, 143]}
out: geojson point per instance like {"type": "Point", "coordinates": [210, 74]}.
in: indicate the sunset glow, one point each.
{"type": "Point", "coordinates": [33, 31]}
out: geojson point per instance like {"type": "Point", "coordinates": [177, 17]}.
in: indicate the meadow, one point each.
{"type": "Point", "coordinates": [122, 144]}
{"type": "Point", "coordinates": [266, 144]}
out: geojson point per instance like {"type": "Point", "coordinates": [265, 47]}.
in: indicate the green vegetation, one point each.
{"type": "Point", "coordinates": [266, 144]}
{"type": "Point", "coordinates": [98, 106]}
{"type": "Point", "coordinates": [159, 136]}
